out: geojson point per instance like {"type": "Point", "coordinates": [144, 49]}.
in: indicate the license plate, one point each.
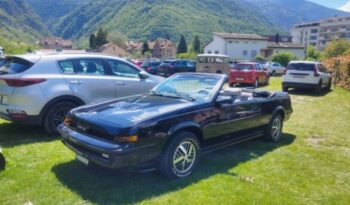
{"type": "Point", "coordinates": [298, 76]}
{"type": "Point", "coordinates": [239, 78]}
{"type": "Point", "coordinates": [83, 160]}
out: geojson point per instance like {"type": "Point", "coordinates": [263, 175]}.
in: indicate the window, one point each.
{"type": "Point", "coordinates": [254, 53]}
{"type": "Point", "coordinates": [245, 52]}
{"type": "Point", "coordinates": [67, 67]}
{"type": "Point", "coordinates": [236, 42]}
{"type": "Point", "coordinates": [14, 66]}
{"type": "Point", "coordinates": [258, 67]}
{"type": "Point", "coordinates": [313, 37]}
{"type": "Point", "coordinates": [209, 52]}
{"type": "Point", "coordinates": [246, 42]}
{"type": "Point", "coordinates": [230, 42]}
{"type": "Point", "coordinates": [216, 52]}
{"type": "Point", "coordinates": [122, 69]}
{"type": "Point", "coordinates": [313, 31]}
{"type": "Point", "coordinates": [91, 67]}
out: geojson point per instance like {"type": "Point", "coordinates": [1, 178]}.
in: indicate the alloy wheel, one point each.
{"type": "Point", "coordinates": [59, 115]}
{"type": "Point", "coordinates": [184, 157]}
{"type": "Point", "coordinates": [276, 128]}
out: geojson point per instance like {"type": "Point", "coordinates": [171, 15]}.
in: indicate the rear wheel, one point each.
{"type": "Point", "coordinates": [273, 131]}
{"type": "Point", "coordinates": [329, 85]}
{"type": "Point", "coordinates": [285, 88]}
{"type": "Point", "coordinates": [180, 156]}
{"type": "Point", "coordinates": [267, 82]}
{"type": "Point", "coordinates": [318, 88]}
{"type": "Point", "coordinates": [273, 73]}
{"type": "Point", "coordinates": [56, 114]}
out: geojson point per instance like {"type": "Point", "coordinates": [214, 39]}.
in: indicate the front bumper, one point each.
{"type": "Point", "coordinates": [104, 153]}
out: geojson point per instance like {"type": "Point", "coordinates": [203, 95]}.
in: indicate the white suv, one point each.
{"type": "Point", "coordinates": [41, 89]}
{"type": "Point", "coordinates": [306, 74]}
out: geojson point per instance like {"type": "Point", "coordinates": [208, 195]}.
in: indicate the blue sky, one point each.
{"type": "Point", "coordinates": [330, 3]}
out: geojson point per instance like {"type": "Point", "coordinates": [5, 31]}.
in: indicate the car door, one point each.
{"type": "Point", "coordinates": [324, 75]}
{"type": "Point", "coordinates": [127, 80]}
{"type": "Point", "coordinates": [89, 80]}
{"type": "Point", "coordinates": [260, 73]}
{"type": "Point", "coordinates": [233, 117]}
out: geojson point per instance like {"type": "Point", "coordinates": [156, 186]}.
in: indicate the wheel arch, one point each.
{"type": "Point", "coordinates": [192, 127]}
{"type": "Point", "coordinates": [64, 98]}
{"type": "Point", "coordinates": [279, 110]}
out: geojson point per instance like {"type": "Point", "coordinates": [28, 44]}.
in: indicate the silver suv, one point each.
{"type": "Point", "coordinates": [41, 89]}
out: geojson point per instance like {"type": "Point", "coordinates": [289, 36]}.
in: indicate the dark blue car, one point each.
{"type": "Point", "coordinates": [169, 127]}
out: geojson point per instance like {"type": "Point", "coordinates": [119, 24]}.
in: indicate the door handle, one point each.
{"type": "Point", "coordinates": [77, 82]}
{"type": "Point", "coordinates": [120, 83]}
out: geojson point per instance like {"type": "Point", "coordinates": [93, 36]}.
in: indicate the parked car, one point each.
{"type": "Point", "coordinates": [274, 68]}
{"type": "Point", "coordinates": [138, 63]}
{"type": "Point", "coordinates": [213, 63]}
{"type": "Point", "coordinates": [151, 66]}
{"type": "Point", "coordinates": [306, 74]}
{"type": "Point", "coordinates": [41, 89]}
{"type": "Point", "coordinates": [169, 67]}
{"type": "Point", "coordinates": [168, 128]}
{"type": "Point", "coordinates": [248, 73]}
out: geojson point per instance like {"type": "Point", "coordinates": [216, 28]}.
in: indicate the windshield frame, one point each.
{"type": "Point", "coordinates": [214, 92]}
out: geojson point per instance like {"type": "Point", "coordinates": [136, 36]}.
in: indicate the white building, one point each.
{"type": "Point", "coordinates": [320, 33]}
{"type": "Point", "coordinates": [248, 46]}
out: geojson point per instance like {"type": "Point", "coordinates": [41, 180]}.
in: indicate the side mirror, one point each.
{"type": "Point", "coordinates": [143, 75]}
{"type": "Point", "coordinates": [223, 100]}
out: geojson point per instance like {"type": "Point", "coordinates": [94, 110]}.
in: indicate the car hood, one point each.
{"type": "Point", "coordinates": [127, 112]}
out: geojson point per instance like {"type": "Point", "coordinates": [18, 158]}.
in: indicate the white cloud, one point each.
{"type": "Point", "coordinates": [345, 7]}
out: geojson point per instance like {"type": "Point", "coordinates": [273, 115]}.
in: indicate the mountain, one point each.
{"type": "Point", "coordinates": [52, 10]}
{"type": "Point", "coordinates": [286, 13]}
{"type": "Point", "coordinates": [164, 18]}
{"type": "Point", "coordinates": [18, 22]}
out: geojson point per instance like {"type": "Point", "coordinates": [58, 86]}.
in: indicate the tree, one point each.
{"type": "Point", "coordinates": [336, 48]}
{"type": "Point", "coordinates": [118, 39]}
{"type": "Point", "coordinates": [145, 47]}
{"type": "Point", "coordinates": [283, 58]}
{"type": "Point", "coordinates": [312, 53]}
{"type": "Point", "coordinates": [197, 44]}
{"type": "Point", "coordinates": [182, 47]}
{"type": "Point", "coordinates": [101, 37]}
{"type": "Point", "coordinates": [92, 41]}
{"type": "Point", "coordinates": [259, 58]}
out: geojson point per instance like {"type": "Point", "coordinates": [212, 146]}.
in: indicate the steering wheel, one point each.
{"type": "Point", "coordinates": [203, 92]}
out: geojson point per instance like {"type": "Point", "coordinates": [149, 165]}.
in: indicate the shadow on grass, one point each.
{"type": "Point", "coordinates": [13, 134]}
{"type": "Point", "coordinates": [308, 92]}
{"type": "Point", "coordinates": [102, 186]}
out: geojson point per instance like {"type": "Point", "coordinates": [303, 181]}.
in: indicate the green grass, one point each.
{"type": "Point", "coordinates": [310, 165]}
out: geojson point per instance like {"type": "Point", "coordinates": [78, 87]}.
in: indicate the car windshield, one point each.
{"type": "Point", "coordinates": [167, 63]}
{"type": "Point", "coordinates": [243, 67]}
{"type": "Point", "coordinates": [301, 66]}
{"type": "Point", "coordinates": [189, 87]}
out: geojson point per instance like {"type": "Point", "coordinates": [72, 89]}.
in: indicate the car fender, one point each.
{"type": "Point", "coordinates": [187, 125]}
{"type": "Point", "coordinates": [279, 109]}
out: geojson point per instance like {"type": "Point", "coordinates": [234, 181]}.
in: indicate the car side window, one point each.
{"type": "Point", "coordinates": [321, 68]}
{"type": "Point", "coordinates": [258, 67]}
{"type": "Point", "coordinates": [67, 66]}
{"type": "Point", "coordinates": [90, 67]}
{"type": "Point", "coordinates": [122, 69]}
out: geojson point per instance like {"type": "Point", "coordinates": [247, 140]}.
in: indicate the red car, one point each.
{"type": "Point", "coordinates": [248, 73]}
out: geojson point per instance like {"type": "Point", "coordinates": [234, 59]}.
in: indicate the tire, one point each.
{"type": "Point", "coordinates": [2, 161]}
{"type": "Point", "coordinates": [318, 88]}
{"type": "Point", "coordinates": [167, 165]}
{"type": "Point", "coordinates": [273, 73]}
{"type": "Point", "coordinates": [55, 115]}
{"type": "Point", "coordinates": [256, 83]}
{"type": "Point", "coordinates": [274, 129]}
{"type": "Point", "coordinates": [267, 82]}
{"type": "Point", "coordinates": [329, 85]}
{"type": "Point", "coordinates": [285, 88]}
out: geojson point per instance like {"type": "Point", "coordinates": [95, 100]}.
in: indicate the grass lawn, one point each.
{"type": "Point", "coordinates": [310, 165]}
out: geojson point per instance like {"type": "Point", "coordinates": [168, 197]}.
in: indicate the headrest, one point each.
{"type": "Point", "coordinates": [233, 91]}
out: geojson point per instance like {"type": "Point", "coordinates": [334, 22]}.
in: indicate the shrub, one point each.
{"type": "Point", "coordinates": [340, 67]}
{"type": "Point", "coordinates": [283, 58]}
{"type": "Point", "coordinates": [336, 48]}
{"type": "Point", "coordinates": [191, 55]}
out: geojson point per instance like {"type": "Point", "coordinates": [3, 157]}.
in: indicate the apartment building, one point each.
{"type": "Point", "coordinates": [320, 33]}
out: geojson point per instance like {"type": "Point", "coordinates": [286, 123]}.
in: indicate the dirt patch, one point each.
{"type": "Point", "coordinates": [315, 141]}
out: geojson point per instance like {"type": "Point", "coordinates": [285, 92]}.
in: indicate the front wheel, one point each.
{"type": "Point", "coordinates": [181, 155]}
{"type": "Point", "coordinates": [273, 131]}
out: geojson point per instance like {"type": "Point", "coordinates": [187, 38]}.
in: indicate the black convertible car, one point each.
{"type": "Point", "coordinates": [169, 127]}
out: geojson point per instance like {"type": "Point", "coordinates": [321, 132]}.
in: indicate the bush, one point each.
{"type": "Point", "coordinates": [340, 67]}
{"type": "Point", "coordinates": [336, 48]}
{"type": "Point", "coordinates": [283, 58]}
{"type": "Point", "coordinates": [192, 56]}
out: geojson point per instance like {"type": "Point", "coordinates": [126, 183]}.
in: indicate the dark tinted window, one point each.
{"type": "Point", "coordinates": [14, 66]}
{"type": "Point", "coordinates": [243, 67]}
{"type": "Point", "coordinates": [155, 63]}
{"type": "Point", "coordinates": [166, 63]}
{"type": "Point", "coordinates": [301, 66]}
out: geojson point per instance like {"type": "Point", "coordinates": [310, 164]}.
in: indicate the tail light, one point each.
{"type": "Point", "coordinates": [22, 82]}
